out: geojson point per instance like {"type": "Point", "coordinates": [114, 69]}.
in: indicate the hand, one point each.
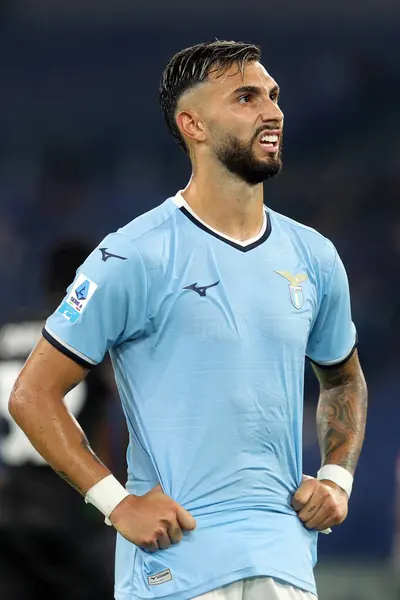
{"type": "Point", "coordinates": [153, 521]}
{"type": "Point", "coordinates": [320, 504]}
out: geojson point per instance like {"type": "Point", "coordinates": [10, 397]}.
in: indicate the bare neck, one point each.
{"type": "Point", "coordinates": [225, 203]}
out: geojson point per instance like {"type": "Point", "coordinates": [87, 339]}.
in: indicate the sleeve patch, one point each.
{"type": "Point", "coordinates": [75, 303]}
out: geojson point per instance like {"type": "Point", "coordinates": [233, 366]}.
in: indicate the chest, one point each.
{"type": "Point", "coordinates": [226, 296]}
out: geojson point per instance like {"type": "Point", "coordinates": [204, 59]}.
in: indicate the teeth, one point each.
{"type": "Point", "coordinates": [270, 138]}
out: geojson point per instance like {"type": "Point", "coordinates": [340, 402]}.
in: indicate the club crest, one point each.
{"type": "Point", "coordinates": [295, 289]}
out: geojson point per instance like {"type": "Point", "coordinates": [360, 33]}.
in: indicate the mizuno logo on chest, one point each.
{"type": "Point", "coordinates": [201, 290]}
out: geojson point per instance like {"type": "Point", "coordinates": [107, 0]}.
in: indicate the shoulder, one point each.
{"type": "Point", "coordinates": [152, 234]}
{"type": "Point", "coordinates": [309, 235]}
{"type": "Point", "coordinates": [315, 247]}
{"type": "Point", "coordinates": [151, 223]}
{"type": "Point", "coordinates": [134, 244]}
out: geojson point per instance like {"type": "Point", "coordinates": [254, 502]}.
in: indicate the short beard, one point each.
{"type": "Point", "coordinates": [240, 160]}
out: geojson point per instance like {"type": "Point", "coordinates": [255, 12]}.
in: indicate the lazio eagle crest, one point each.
{"type": "Point", "coordinates": [295, 289]}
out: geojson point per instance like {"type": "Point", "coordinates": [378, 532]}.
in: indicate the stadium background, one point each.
{"type": "Point", "coordinates": [83, 150]}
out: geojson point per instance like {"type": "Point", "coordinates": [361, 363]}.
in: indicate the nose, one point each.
{"type": "Point", "coordinates": [271, 112]}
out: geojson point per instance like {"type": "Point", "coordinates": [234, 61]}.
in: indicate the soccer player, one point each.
{"type": "Point", "coordinates": [209, 305]}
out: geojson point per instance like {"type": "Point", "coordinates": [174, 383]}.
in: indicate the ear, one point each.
{"type": "Point", "coordinates": [191, 126]}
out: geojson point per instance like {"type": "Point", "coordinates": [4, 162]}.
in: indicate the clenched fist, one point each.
{"type": "Point", "coordinates": [153, 521]}
{"type": "Point", "coordinates": [320, 504]}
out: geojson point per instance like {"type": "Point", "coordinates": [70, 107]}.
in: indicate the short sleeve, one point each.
{"type": "Point", "coordinates": [104, 306]}
{"type": "Point", "coordinates": [333, 335]}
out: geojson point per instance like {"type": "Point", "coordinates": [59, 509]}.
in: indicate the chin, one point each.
{"type": "Point", "coordinates": [271, 157]}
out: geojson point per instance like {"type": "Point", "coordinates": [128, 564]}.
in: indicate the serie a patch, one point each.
{"type": "Point", "coordinates": [77, 300]}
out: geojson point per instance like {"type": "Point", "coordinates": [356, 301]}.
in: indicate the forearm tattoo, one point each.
{"type": "Point", "coordinates": [341, 413]}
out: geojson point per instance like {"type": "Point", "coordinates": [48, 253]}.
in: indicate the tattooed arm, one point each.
{"type": "Point", "coordinates": [37, 405]}
{"type": "Point", "coordinates": [341, 413]}
{"type": "Point", "coordinates": [341, 417]}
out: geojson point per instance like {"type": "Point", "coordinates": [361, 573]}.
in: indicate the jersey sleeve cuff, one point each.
{"type": "Point", "coordinates": [335, 363]}
{"type": "Point", "coordinates": [68, 350]}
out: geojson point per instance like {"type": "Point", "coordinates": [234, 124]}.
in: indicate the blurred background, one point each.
{"type": "Point", "coordinates": [83, 150]}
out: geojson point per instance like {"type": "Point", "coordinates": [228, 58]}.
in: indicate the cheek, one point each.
{"type": "Point", "coordinates": [226, 126]}
{"type": "Point", "coordinates": [217, 132]}
{"type": "Point", "coordinates": [217, 122]}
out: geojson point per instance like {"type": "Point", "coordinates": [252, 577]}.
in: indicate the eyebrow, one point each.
{"type": "Point", "coordinates": [254, 89]}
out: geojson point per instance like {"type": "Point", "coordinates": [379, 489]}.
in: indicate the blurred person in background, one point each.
{"type": "Point", "coordinates": [51, 545]}
{"type": "Point", "coordinates": [209, 305]}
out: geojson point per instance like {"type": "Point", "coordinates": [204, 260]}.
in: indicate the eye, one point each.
{"type": "Point", "coordinates": [274, 96]}
{"type": "Point", "coordinates": [245, 99]}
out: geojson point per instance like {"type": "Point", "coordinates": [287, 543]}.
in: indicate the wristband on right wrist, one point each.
{"type": "Point", "coordinates": [338, 475]}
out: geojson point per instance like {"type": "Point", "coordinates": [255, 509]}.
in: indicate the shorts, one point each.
{"type": "Point", "coordinates": [257, 588]}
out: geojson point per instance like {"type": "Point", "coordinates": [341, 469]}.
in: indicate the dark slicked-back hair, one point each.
{"type": "Point", "coordinates": [190, 67]}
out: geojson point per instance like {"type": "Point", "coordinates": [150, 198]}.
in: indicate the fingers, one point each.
{"type": "Point", "coordinates": [175, 532]}
{"type": "Point", "coordinates": [324, 527]}
{"type": "Point", "coordinates": [185, 519]}
{"type": "Point", "coordinates": [163, 540]}
{"type": "Point", "coordinates": [151, 546]}
{"type": "Point", "coordinates": [316, 509]}
{"type": "Point", "coordinates": [312, 507]}
{"type": "Point", "coordinates": [304, 493]}
{"type": "Point", "coordinates": [313, 515]}
{"type": "Point", "coordinates": [324, 508]}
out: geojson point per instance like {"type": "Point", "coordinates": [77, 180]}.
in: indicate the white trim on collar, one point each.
{"type": "Point", "coordinates": [180, 201]}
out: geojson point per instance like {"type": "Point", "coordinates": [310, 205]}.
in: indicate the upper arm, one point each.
{"type": "Point", "coordinates": [105, 305]}
{"type": "Point", "coordinates": [47, 374]}
{"type": "Point", "coordinates": [333, 335]}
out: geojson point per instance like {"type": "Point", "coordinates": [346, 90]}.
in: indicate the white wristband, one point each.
{"type": "Point", "coordinates": [106, 495]}
{"type": "Point", "coordinates": [338, 475]}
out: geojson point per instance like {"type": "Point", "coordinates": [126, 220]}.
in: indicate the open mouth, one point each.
{"type": "Point", "coordinates": [269, 141]}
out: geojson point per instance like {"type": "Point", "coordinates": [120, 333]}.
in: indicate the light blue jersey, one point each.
{"type": "Point", "coordinates": [208, 339]}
